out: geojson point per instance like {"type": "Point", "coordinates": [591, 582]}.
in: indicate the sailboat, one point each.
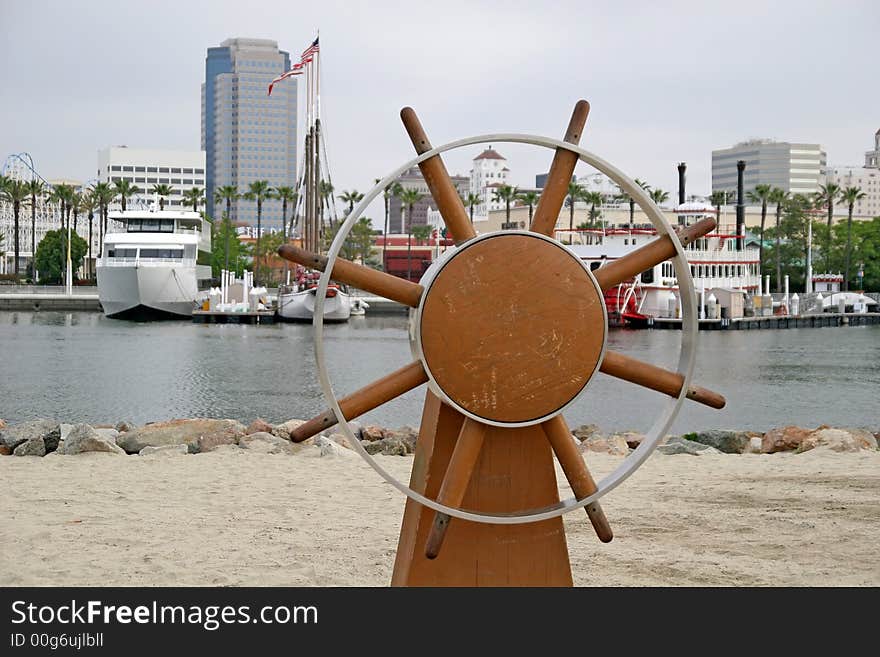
{"type": "Point", "coordinates": [297, 298]}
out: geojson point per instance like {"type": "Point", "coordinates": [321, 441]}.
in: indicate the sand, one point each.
{"type": "Point", "coordinates": [239, 518]}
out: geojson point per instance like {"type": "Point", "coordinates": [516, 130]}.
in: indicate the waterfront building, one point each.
{"type": "Point", "coordinates": [148, 167]}
{"type": "Point", "coordinates": [248, 135]}
{"type": "Point", "coordinates": [867, 178]}
{"type": "Point", "coordinates": [872, 158]}
{"type": "Point", "coordinates": [413, 179]}
{"type": "Point", "coordinates": [795, 167]}
{"type": "Point", "coordinates": [488, 173]}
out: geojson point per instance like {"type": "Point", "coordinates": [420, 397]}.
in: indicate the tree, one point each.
{"type": "Point", "coordinates": [827, 196]}
{"type": "Point", "coordinates": [61, 194]}
{"type": "Point", "coordinates": [849, 196]}
{"type": "Point", "coordinates": [52, 254]}
{"type": "Point", "coordinates": [268, 248]}
{"type": "Point", "coordinates": [719, 198]}
{"type": "Point", "coordinates": [325, 192]}
{"type": "Point", "coordinates": [594, 199]}
{"type": "Point", "coordinates": [793, 242]}
{"type": "Point", "coordinates": [507, 194]}
{"type": "Point", "coordinates": [227, 194]}
{"type": "Point", "coordinates": [16, 193]}
{"type": "Point", "coordinates": [193, 197]}
{"type": "Point", "coordinates": [226, 248]}
{"type": "Point", "coordinates": [103, 193]}
{"type": "Point", "coordinates": [761, 194]}
{"type": "Point", "coordinates": [285, 195]}
{"type": "Point", "coordinates": [409, 197]}
{"type": "Point", "coordinates": [623, 196]}
{"type": "Point", "coordinates": [530, 199]}
{"type": "Point", "coordinates": [351, 198]}
{"type": "Point", "coordinates": [777, 196]}
{"type": "Point", "coordinates": [162, 190]}
{"type": "Point", "coordinates": [258, 191]}
{"type": "Point", "coordinates": [422, 232]}
{"type": "Point", "coordinates": [125, 190]}
{"type": "Point", "coordinates": [36, 188]}
{"type": "Point", "coordinates": [393, 189]}
{"type": "Point", "coordinates": [73, 203]}
{"type": "Point", "coordinates": [865, 241]}
{"type": "Point", "coordinates": [472, 200]}
{"type": "Point", "coordinates": [575, 193]}
{"type": "Point", "coordinates": [659, 196]}
{"type": "Point", "coordinates": [358, 244]}
{"type": "Point", "coordinates": [88, 204]}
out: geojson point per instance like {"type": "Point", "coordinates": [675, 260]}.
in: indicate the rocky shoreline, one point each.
{"type": "Point", "coordinates": [199, 435]}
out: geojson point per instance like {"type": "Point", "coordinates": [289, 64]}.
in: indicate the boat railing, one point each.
{"type": "Point", "coordinates": [721, 255]}
{"type": "Point", "coordinates": [128, 262]}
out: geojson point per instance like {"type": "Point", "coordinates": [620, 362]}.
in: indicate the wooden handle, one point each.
{"type": "Point", "coordinates": [365, 399]}
{"type": "Point", "coordinates": [455, 481]}
{"type": "Point", "coordinates": [576, 471]}
{"type": "Point", "coordinates": [656, 251]}
{"type": "Point", "coordinates": [364, 278]}
{"type": "Point", "coordinates": [442, 190]}
{"type": "Point", "coordinates": [561, 170]}
{"type": "Point", "coordinates": [656, 378]}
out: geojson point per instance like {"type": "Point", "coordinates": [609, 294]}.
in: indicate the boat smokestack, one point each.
{"type": "Point", "coordinates": [682, 167]}
{"type": "Point", "coordinates": [740, 204]}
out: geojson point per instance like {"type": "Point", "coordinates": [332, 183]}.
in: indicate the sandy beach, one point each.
{"type": "Point", "coordinates": [233, 517]}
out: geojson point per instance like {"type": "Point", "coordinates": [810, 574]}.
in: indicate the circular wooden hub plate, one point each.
{"type": "Point", "coordinates": [512, 328]}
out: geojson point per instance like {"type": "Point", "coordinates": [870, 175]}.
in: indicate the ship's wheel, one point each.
{"type": "Point", "coordinates": [507, 330]}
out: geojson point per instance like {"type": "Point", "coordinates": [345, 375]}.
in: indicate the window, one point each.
{"type": "Point", "coordinates": [175, 181]}
{"type": "Point", "coordinates": [140, 180]}
{"type": "Point", "coordinates": [122, 253]}
{"type": "Point", "coordinates": [163, 180]}
{"type": "Point", "coordinates": [162, 253]}
{"type": "Point", "coordinates": [139, 169]}
{"type": "Point", "coordinates": [163, 169]}
{"type": "Point", "coordinates": [595, 265]}
{"type": "Point", "coordinates": [115, 168]}
{"type": "Point", "coordinates": [128, 169]}
{"type": "Point", "coordinates": [187, 181]}
{"type": "Point", "coordinates": [648, 275]}
{"type": "Point", "coordinates": [187, 170]}
{"type": "Point", "coordinates": [151, 170]}
{"type": "Point", "coordinates": [151, 180]}
{"type": "Point", "coordinates": [175, 170]}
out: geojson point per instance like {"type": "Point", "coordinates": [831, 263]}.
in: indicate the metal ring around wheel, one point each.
{"type": "Point", "coordinates": [686, 359]}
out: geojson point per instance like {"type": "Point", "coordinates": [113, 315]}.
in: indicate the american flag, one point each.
{"type": "Point", "coordinates": [296, 70]}
{"type": "Point", "coordinates": [310, 51]}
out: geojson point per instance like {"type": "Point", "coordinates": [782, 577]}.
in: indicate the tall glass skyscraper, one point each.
{"type": "Point", "coordinates": [246, 134]}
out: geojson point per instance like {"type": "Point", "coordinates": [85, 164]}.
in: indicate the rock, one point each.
{"type": "Point", "coordinates": [259, 426]}
{"type": "Point", "coordinates": [164, 450]}
{"type": "Point", "coordinates": [372, 432]}
{"type": "Point", "coordinates": [283, 430]}
{"type": "Point", "coordinates": [729, 442]}
{"type": "Point", "coordinates": [754, 446]}
{"type": "Point", "coordinates": [51, 439]}
{"type": "Point", "coordinates": [404, 435]}
{"type": "Point", "coordinates": [4, 450]}
{"type": "Point", "coordinates": [83, 438]}
{"type": "Point", "coordinates": [328, 447]}
{"type": "Point", "coordinates": [336, 430]}
{"type": "Point", "coordinates": [373, 447]}
{"type": "Point", "coordinates": [586, 431]}
{"type": "Point", "coordinates": [633, 438]}
{"type": "Point", "coordinates": [124, 425]}
{"type": "Point", "coordinates": [783, 439]}
{"type": "Point", "coordinates": [31, 447]}
{"type": "Point", "coordinates": [266, 443]}
{"type": "Point", "coordinates": [227, 449]}
{"type": "Point", "coordinates": [341, 440]}
{"type": "Point", "coordinates": [108, 432]}
{"type": "Point", "coordinates": [614, 445]}
{"type": "Point", "coordinates": [200, 434]}
{"type": "Point", "coordinates": [2, 424]}
{"type": "Point", "coordinates": [14, 436]}
{"type": "Point", "coordinates": [837, 440]}
{"type": "Point", "coordinates": [680, 445]}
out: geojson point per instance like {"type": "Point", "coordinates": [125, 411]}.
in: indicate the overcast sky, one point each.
{"type": "Point", "coordinates": [667, 82]}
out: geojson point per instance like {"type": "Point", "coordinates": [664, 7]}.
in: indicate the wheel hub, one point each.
{"type": "Point", "coordinates": [511, 328]}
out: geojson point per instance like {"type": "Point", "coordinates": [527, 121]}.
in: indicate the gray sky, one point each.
{"type": "Point", "coordinates": [667, 82]}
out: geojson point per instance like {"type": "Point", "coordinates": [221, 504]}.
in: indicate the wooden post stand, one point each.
{"type": "Point", "coordinates": [515, 472]}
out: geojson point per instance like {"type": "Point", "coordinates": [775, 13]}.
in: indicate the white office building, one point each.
{"type": "Point", "coordinates": [146, 168]}
{"type": "Point", "coordinates": [489, 172]}
{"type": "Point", "coordinates": [796, 168]}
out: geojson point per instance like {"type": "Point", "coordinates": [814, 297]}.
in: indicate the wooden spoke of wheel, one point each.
{"type": "Point", "coordinates": [576, 471]}
{"type": "Point", "coordinates": [366, 399]}
{"type": "Point", "coordinates": [654, 252]}
{"type": "Point", "coordinates": [455, 481]}
{"type": "Point", "coordinates": [561, 170]}
{"type": "Point", "coordinates": [442, 190]}
{"type": "Point", "coordinates": [656, 378]}
{"type": "Point", "coordinates": [364, 278]}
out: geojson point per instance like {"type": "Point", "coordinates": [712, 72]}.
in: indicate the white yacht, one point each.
{"type": "Point", "coordinates": [297, 303]}
{"type": "Point", "coordinates": [154, 267]}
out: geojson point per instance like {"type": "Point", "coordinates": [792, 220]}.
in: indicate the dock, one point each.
{"type": "Point", "coordinates": [216, 317]}
{"type": "Point", "coordinates": [771, 322]}
{"type": "Point", "coordinates": [37, 302]}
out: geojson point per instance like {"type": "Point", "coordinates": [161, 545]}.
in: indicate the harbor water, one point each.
{"type": "Point", "coordinates": [83, 367]}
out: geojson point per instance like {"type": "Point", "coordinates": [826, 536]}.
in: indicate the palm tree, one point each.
{"type": "Point", "coordinates": [103, 193]}
{"type": "Point", "coordinates": [575, 193]}
{"type": "Point", "coordinates": [36, 188]}
{"type": "Point", "coordinates": [849, 196]}
{"type": "Point", "coordinates": [124, 190]}
{"type": "Point", "coordinates": [285, 195]}
{"type": "Point", "coordinates": [193, 197]}
{"type": "Point", "coordinates": [394, 189]}
{"type": "Point", "coordinates": [227, 193]}
{"type": "Point", "coordinates": [15, 192]}
{"type": "Point", "coordinates": [719, 198]}
{"type": "Point", "coordinates": [325, 192]}
{"type": "Point", "coordinates": [778, 196]}
{"type": "Point", "coordinates": [827, 195]}
{"type": "Point", "coordinates": [623, 196]}
{"type": "Point", "coordinates": [88, 203]}
{"type": "Point", "coordinates": [761, 194]}
{"type": "Point", "coordinates": [258, 191]}
{"type": "Point", "coordinates": [59, 195]}
{"type": "Point", "coordinates": [351, 198]}
{"type": "Point", "coordinates": [471, 200]}
{"type": "Point", "coordinates": [507, 194]}
{"type": "Point", "coordinates": [409, 197]}
{"type": "Point", "coordinates": [530, 199]}
{"type": "Point", "coordinates": [659, 196]}
{"type": "Point", "coordinates": [73, 203]}
{"type": "Point", "coordinates": [594, 199]}
{"type": "Point", "coordinates": [162, 190]}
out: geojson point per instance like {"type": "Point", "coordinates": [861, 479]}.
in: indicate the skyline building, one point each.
{"type": "Point", "coordinates": [413, 179]}
{"type": "Point", "coordinates": [866, 178]}
{"type": "Point", "coordinates": [248, 135]}
{"type": "Point", "coordinates": [795, 168]}
{"type": "Point", "coordinates": [146, 167]}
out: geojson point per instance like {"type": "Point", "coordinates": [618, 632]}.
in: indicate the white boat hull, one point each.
{"type": "Point", "coordinates": [147, 291]}
{"type": "Point", "coordinates": [300, 306]}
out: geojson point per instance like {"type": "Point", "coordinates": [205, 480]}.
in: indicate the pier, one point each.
{"type": "Point", "coordinates": [216, 317]}
{"type": "Point", "coordinates": [772, 322]}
